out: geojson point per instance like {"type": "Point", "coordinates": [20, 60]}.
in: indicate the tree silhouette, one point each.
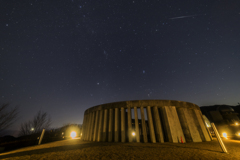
{"type": "Point", "coordinates": [39, 122]}
{"type": "Point", "coordinates": [7, 116]}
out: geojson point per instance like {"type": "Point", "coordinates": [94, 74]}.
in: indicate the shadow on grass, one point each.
{"type": "Point", "coordinates": [179, 145]}
{"type": "Point", "coordinates": [198, 148]}
{"type": "Point", "coordinates": [67, 147]}
{"type": "Point", "coordinates": [85, 144]}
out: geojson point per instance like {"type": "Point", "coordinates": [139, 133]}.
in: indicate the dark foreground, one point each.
{"type": "Point", "coordinates": [77, 149]}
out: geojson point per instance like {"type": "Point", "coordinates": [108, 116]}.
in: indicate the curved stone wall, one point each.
{"type": "Point", "coordinates": [161, 121]}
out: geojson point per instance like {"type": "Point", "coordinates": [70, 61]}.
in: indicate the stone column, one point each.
{"type": "Point", "coordinates": [105, 126]}
{"type": "Point", "coordinates": [150, 124]}
{"type": "Point", "coordinates": [110, 127]}
{"type": "Point", "coordinates": [96, 126]}
{"type": "Point", "coordinates": [144, 130]}
{"type": "Point", "coordinates": [181, 137]}
{"type": "Point", "coordinates": [123, 130]}
{"type": "Point", "coordinates": [116, 135]}
{"type": "Point", "coordinates": [130, 138]}
{"type": "Point", "coordinates": [89, 126]}
{"type": "Point", "coordinates": [83, 126]}
{"type": "Point", "coordinates": [172, 125]}
{"type": "Point", "coordinates": [100, 128]}
{"type": "Point", "coordinates": [92, 126]}
{"type": "Point", "coordinates": [136, 125]}
{"type": "Point", "coordinates": [201, 126]}
{"type": "Point", "coordinates": [188, 126]}
{"type": "Point", "coordinates": [158, 125]}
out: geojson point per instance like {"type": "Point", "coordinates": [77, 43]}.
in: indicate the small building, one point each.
{"type": "Point", "coordinates": [224, 117]}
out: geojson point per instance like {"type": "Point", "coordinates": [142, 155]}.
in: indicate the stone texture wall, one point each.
{"type": "Point", "coordinates": [161, 121]}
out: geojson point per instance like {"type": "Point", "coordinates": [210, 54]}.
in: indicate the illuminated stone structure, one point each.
{"type": "Point", "coordinates": [145, 121]}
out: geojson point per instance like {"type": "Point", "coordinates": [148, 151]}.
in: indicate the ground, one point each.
{"type": "Point", "coordinates": [78, 149]}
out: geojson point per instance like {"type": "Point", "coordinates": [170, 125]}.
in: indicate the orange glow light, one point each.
{"type": "Point", "coordinates": [73, 134]}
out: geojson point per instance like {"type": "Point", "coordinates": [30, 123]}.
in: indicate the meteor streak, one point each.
{"type": "Point", "coordinates": [186, 16]}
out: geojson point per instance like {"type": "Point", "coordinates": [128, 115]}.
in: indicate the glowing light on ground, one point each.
{"type": "Point", "coordinates": [224, 135]}
{"type": "Point", "coordinates": [133, 133]}
{"type": "Point", "coordinates": [73, 134]}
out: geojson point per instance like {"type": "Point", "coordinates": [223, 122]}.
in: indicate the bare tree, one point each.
{"type": "Point", "coordinates": [7, 116]}
{"type": "Point", "coordinates": [40, 121]}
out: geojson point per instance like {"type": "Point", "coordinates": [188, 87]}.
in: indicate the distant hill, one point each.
{"type": "Point", "coordinates": [9, 132]}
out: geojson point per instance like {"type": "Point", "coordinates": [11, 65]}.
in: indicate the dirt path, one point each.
{"type": "Point", "coordinates": [77, 149]}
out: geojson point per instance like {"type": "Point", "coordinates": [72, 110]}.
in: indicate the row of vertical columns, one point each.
{"type": "Point", "coordinates": [178, 124]}
{"type": "Point", "coordinates": [99, 126]}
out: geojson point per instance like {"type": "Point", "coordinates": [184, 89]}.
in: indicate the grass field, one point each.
{"type": "Point", "coordinates": [77, 149]}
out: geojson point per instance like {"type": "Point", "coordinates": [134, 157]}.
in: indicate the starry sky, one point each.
{"type": "Point", "coordinates": [64, 56]}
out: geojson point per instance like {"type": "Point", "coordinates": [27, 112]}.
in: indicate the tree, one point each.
{"type": "Point", "coordinates": [7, 116]}
{"type": "Point", "coordinates": [39, 122]}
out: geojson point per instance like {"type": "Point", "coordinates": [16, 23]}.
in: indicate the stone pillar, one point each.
{"type": "Point", "coordinates": [89, 126]}
{"type": "Point", "coordinates": [116, 135]}
{"type": "Point", "coordinates": [172, 125]}
{"type": "Point", "coordinates": [136, 125]}
{"type": "Point", "coordinates": [144, 130]}
{"type": "Point", "coordinates": [130, 138]}
{"type": "Point", "coordinates": [105, 126]}
{"type": "Point", "coordinates": [201, 126]}
{"type": "Point", "coordinates": [123, 129]}
{"type": "Point", "coordinates": [188, 126]}
{"type": "Point", "coordinates": [110, 127]}
{"type": "Point", "coordinates": [83, 126]}
{"type": "Point", "coordinates": [86, 127]}
{"type": "Point", "coordinates": [92, 126]}
{"type": "Point", "coordinates": [158, 125]}
{"type": "Point", "coordinates": [100, 128]}
{"type": "Point", "coordinates": [96, 126]}
{"type": "Point", "coordinates": [150, 124]}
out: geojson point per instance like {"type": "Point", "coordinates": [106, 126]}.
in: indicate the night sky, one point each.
{"type": "Point", "coordinates": [64, 56]}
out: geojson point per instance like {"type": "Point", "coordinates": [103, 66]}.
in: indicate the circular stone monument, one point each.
{"type": "Point", "coordinates": [145, 121]}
